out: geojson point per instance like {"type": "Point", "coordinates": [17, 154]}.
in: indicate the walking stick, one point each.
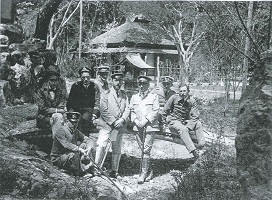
{"type": "Point", "coordinates": [112, 137]}
{"type": "Point", "coordinates": [106, 175]}
{"type": "Point", "coordinates": [106, 153]}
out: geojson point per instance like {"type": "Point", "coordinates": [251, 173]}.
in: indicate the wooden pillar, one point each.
{"type": "Point", "coordinates": [158, 69]}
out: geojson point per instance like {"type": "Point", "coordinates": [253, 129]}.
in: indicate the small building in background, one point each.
{"type": "Point", "coordinates": [136, 47]}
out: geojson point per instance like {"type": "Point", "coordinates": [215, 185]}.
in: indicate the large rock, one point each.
{"type": "Point", "coordinates": [254, 132]}
{"type": "Point", "coordinates": [14, 32]}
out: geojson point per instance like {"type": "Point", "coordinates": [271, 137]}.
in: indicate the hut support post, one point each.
{"type": "Point", "coordinates": [158, 69]}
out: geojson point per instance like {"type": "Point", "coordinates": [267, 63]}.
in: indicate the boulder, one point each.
{"type": "Point", "coordinates": [14, 32]}
{"type": "Point", "coordinates": [254, 131]}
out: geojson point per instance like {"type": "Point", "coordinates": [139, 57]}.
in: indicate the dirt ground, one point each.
{"type": "Point", "coordinates": [167, 159]}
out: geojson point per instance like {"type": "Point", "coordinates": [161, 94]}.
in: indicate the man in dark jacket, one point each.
{"type": "Point", "coordinates": [163, 89]}
{"type": "Point", "coordinates": [84, 98]}
{"type": "Point", "coordinates": [51, 98]}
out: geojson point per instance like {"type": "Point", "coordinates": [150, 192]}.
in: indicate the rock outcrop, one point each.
{"type": "Point", "coordinates": [254, 133]}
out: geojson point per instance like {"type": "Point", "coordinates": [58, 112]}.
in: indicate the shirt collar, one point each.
{"type": "Point", "coordinates": [144, 94]}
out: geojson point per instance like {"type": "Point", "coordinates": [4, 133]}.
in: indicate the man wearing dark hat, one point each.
{"type": "Point", "coordinates": [51, 98]}
{"type": "Point", "coordinates": [71, 149]}
{"type": "Point", "coordinates": [144, 114]}
{"type": "Point", "coordinates": [13, 92]}
{"type": "Point", "coordinates": [163, 90]}
{"type": "Point", "coordinates": [182, 116]}
{"type": "Point", "coordinates": [84, 98]}
{"type": "Point", "coordinates": [102, 78]}
{"type": "Point", "coordinates": [114, 112]}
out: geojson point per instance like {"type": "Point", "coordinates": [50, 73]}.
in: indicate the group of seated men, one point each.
{"type": "Point", "coordinates": [71, 119]}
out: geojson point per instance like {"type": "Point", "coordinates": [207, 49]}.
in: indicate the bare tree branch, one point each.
{"type": "Point", "coordinates": [225, 40]}
{"type": "Point", "coordinates": [63, 23]}
{"type": "Point", "coordinates": [245, 28]}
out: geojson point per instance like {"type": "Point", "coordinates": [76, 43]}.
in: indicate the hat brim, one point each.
{"type": "Point", "coordinates": [175, 89]}
{"type": "Point", "coordinates": [144, 77]}
{"type": "Point", "coordinates": [117, 74]}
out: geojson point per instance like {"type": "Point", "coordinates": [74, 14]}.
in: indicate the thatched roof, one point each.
{"type": "Point", "coordinates": [133, 34]}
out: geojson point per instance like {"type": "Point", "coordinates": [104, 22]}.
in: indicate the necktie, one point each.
{"type": "Point", "coordinates": [52, 94]}
{"type": "Point", "coordinates": [105, 86]}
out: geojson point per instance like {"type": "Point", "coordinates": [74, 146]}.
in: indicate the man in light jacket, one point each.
{"type": "Point", "coordinates": [144, 114]}
{"type": "Point", "coordinates": [114, 112]}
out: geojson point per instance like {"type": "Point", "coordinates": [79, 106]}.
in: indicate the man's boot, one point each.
{"type": "Point", "coordinates": [143, 175]}
{"type": "Point", "coordinates": [115, 165]}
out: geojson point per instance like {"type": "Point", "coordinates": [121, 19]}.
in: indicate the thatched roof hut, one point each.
{"type": "Point", "coordinates": [143, 46]}
{"type": "Point", "coordinates": [134, 37]}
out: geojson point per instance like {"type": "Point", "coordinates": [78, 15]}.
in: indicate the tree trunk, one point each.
{"type": "Point", "coordinates": [247, 45]}
{"type": "Point", "coordinates": [44, 17]}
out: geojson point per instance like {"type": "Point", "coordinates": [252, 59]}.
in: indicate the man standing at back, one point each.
{"type": "Point", "coordinates": [84, 98]}
{"type": "Point", "coordinates": [164, 89]}
{"type": "Point", "coordinates": [102, 78]}
{"type": "Point", "coordinates": [114, 112]}
{"type": "Point", "coordinates": [51, 98]}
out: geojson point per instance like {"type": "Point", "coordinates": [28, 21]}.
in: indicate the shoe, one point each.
{"type": "Point", "coordinates": [96, 172]}
{"type": "Point", "coordinates": [149, 177]}
{"type": "Point", "coordinates": [197, 153]}
{"type": "Point", "coordinates": [88, 175]}
{"type": "Point", "coordinates": [142, 178]}
{"type": "Point", "coordinates": [113, 174]}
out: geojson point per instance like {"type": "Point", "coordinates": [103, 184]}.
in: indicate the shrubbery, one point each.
{"type": "Point", "coordinates": [211, 177]}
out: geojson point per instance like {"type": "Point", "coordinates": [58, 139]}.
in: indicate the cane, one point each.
{"type": "Point", "coordinates": [106, 175]}
{"type": "Point", "coordinates": [106, 153]}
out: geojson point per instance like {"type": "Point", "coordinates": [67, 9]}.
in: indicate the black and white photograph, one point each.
{"type": "Point", "coordinates": [135, 100]}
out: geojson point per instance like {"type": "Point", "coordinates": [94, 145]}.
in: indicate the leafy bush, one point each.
{"type": "Point", "coordinates": [211, 177]}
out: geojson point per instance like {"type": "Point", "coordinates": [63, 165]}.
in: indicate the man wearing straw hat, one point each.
{"type": "Point", "coordinates": [114, 112]}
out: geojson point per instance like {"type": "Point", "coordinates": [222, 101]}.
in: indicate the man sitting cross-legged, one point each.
{"type": "Point", "coordinates": [71, 149]}
{"type": "Point", "coordinates": [182, 116]}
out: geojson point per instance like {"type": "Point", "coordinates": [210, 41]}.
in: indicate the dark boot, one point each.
{"type": "Point", "coordinates": [113, 174]}
{"type": "Point", "coordinates": [145, 167]}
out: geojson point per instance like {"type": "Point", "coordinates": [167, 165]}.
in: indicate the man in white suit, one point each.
{"type": "Point", "coordinates": [114, 112]}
